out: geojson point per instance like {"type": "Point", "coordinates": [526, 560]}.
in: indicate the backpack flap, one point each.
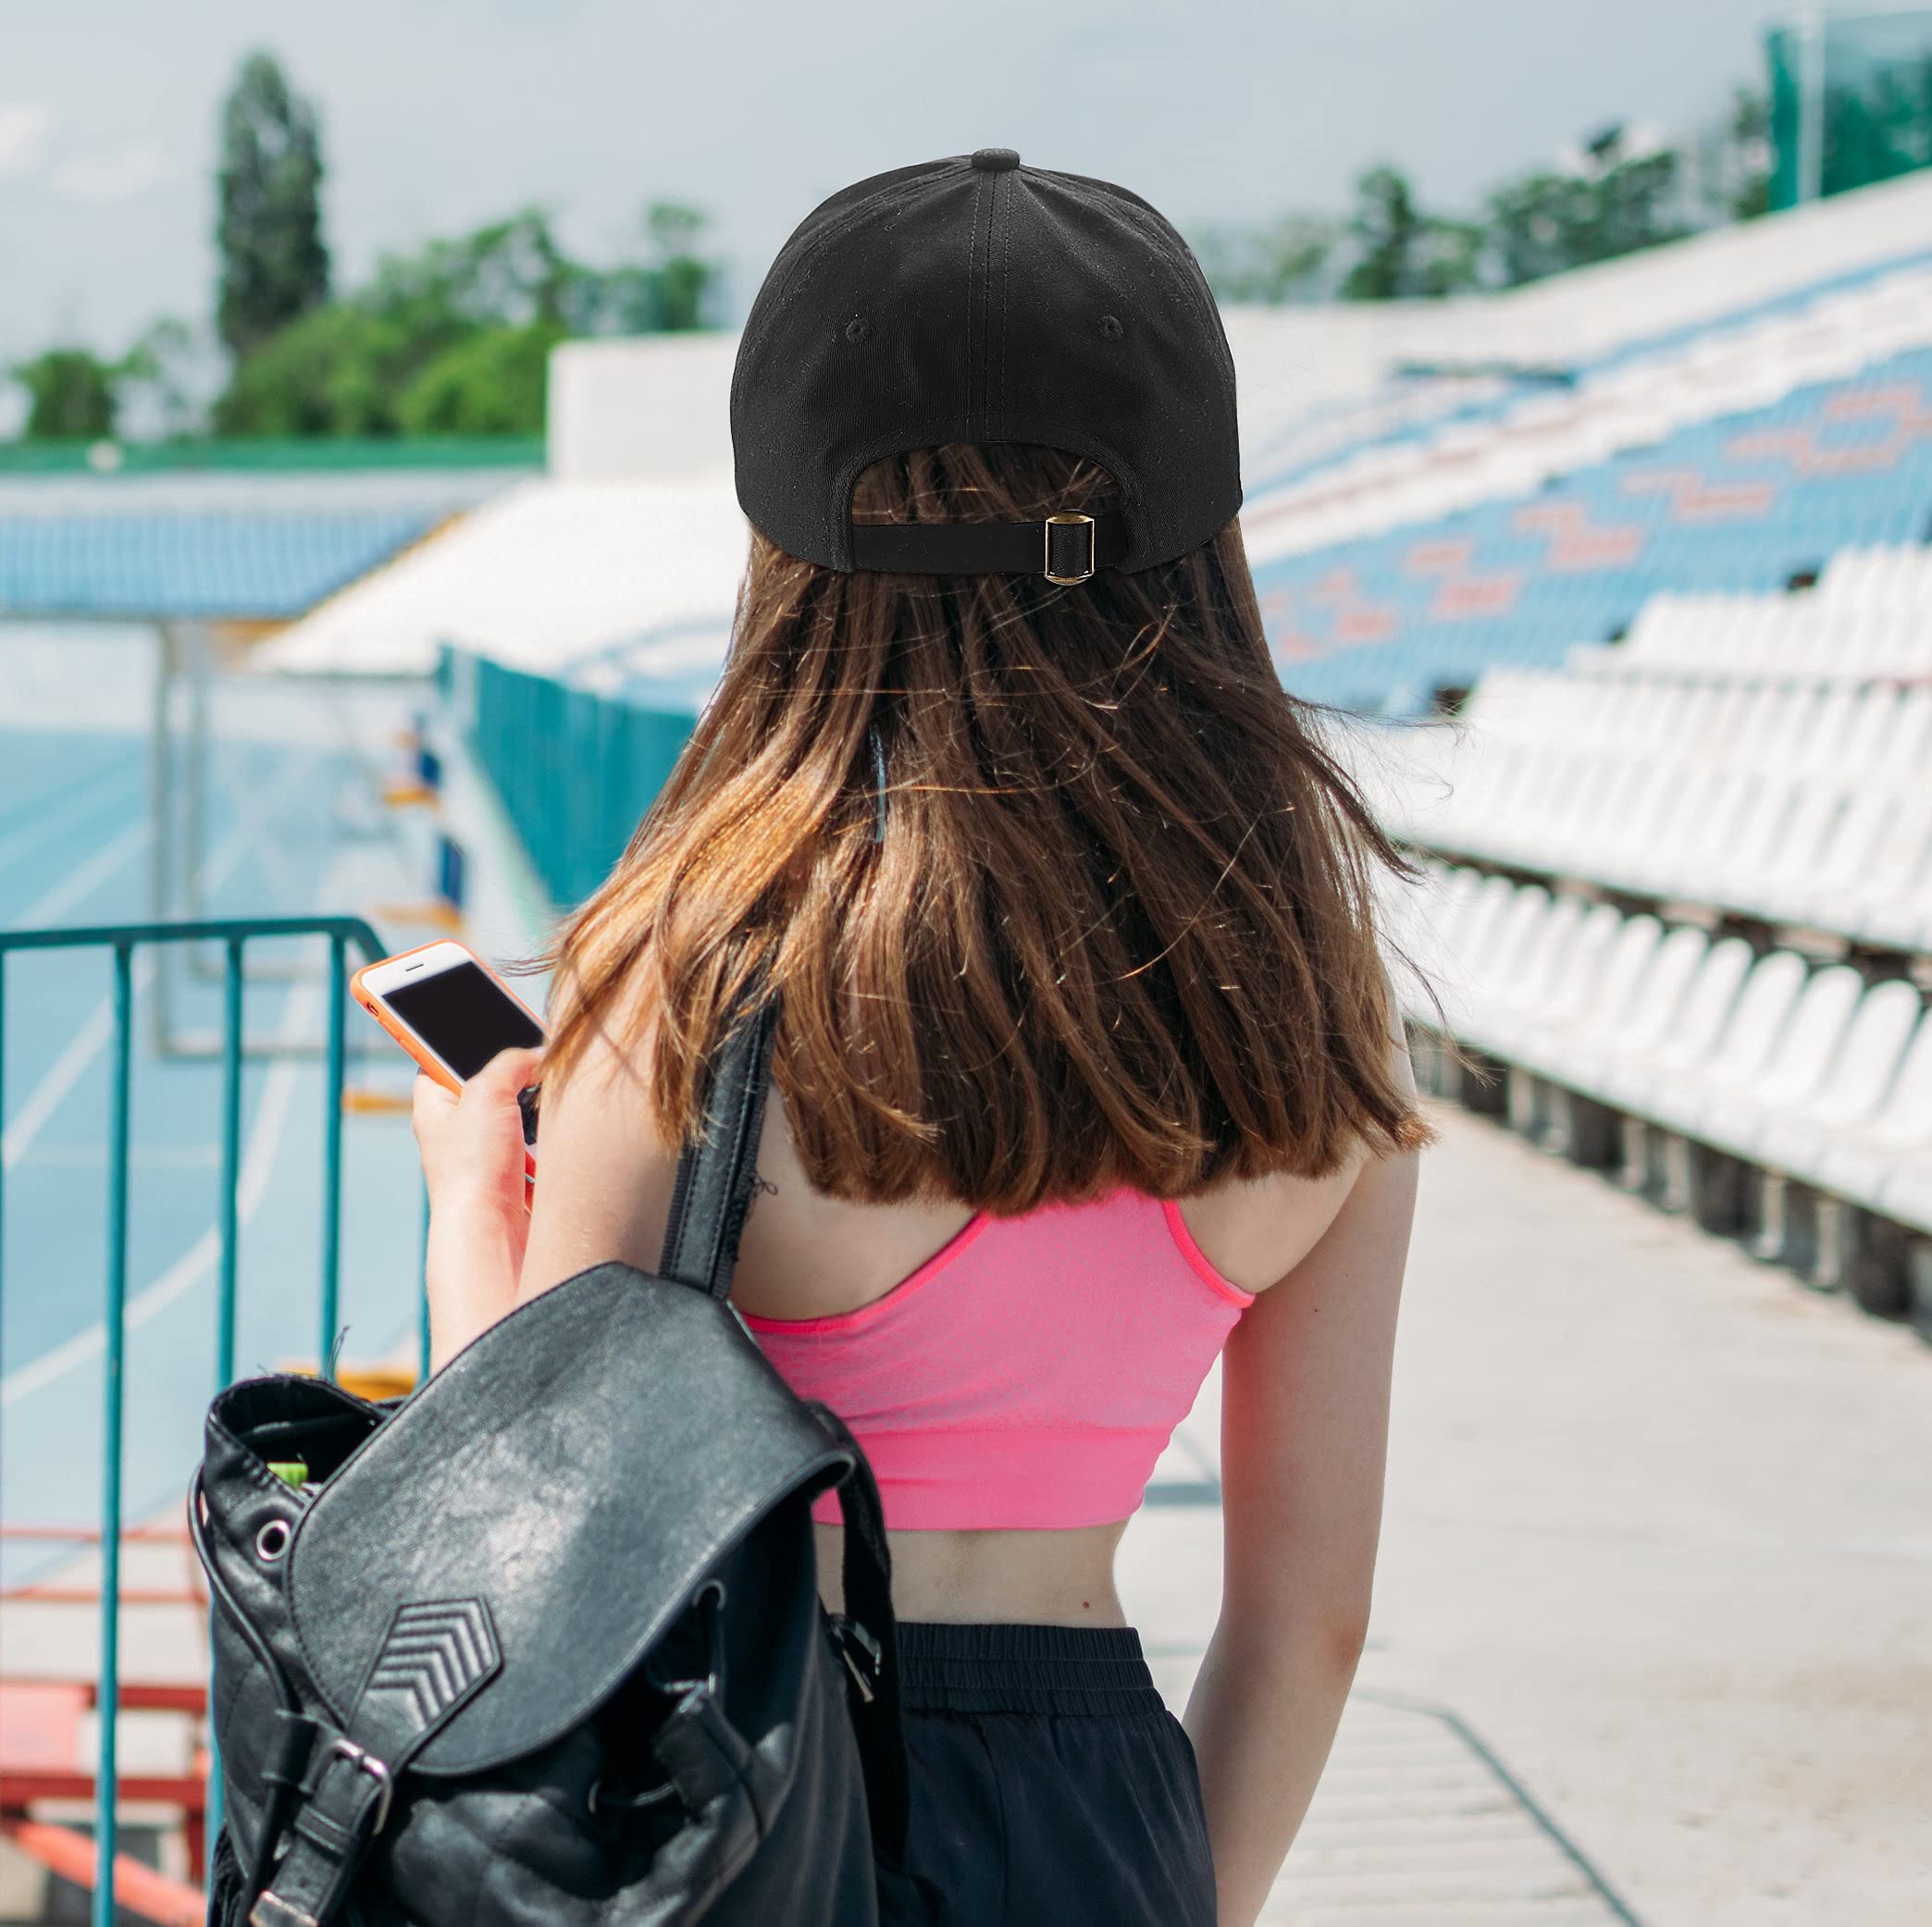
{"type": "Point", "coordinates": [512, 1541]}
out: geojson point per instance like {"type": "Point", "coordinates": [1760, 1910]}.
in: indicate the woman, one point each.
{"type": "Point", "coordinates": [1087, 1068]}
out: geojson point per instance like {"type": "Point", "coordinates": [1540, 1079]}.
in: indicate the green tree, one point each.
{"type": "Point", "coordinates": [1534, 224]}
{"type": "Point", "coordinates": [1747, 175]}
{"type": "Point", "coordinates": [673, 289]}
{"type": "Point", "coordinates": [334, 372]}
{"type": "Point", "coordinates": [505, 273]}
{"type": "Point", "coordinates": [71, 393]}
{"type": "Point", "coordinates": [492, 383]}
{"type": "Point", "coordinates": [1402, 252]}
{"type": "Point", "coordinates": [683, 279]}
{"type": "Point", "coordinates": [1278, 262]}
{"type": "Point", "coordinates": [1616, 202]}
{"type": "Point", "coordinates": [419, 348]}
{"type": "Point", "coordinates": [455, 337]}
{"type": "Point", "coordinates": [274, 263]}
{"type": "Point", "coordinates": [159, 364]}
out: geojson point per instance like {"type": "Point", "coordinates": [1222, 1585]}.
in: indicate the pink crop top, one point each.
{"type": "Point", "coordinates": [1029, 1374]}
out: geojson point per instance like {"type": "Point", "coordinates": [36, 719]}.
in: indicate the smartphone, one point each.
{"type": "Point", "coordinates": [451, 1013]}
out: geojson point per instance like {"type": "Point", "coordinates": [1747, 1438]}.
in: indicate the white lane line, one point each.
{"type": "Point", "coordinates": [198, 1259]}
{"type": "Point", "coordinates": [67, 1070]}
{"type": "Point", "coordinates": [79, 884]}
{"type": "Point", "coordinates": [24, 842]}
{"type": "Point", "coordinates": [304, 1004]}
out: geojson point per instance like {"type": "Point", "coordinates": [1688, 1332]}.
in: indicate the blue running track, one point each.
{"type": "Point", "coordinates": [288, 831]}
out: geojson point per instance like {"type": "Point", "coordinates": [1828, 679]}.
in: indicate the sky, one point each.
{"type": "Point", "coordinates": [438, 115]}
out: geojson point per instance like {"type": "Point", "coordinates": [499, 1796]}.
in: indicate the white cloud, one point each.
{"type": "Point", "coordinates": [112, 177]}
{"type": "Point", "coordinates": [24, 127]}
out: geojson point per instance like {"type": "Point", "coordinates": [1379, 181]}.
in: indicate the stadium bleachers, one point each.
{"type": "Point", "coordinates": [156, 545]}
{"type": "Point", "coordinates": [1678, 920]}
{"type": "Point", "coordinates": [1476, 523]}
{"type": "Point", "coordinates": [1708, 772]}
{"type": "Point", "coordinates": [1768, 1093]}
{"type": "Point", "coordinates": [1680, 900]}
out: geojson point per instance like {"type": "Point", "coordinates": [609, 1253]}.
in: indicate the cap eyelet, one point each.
{"type": "Point", "coordinates": [272, 1540]}
{"type": "Point", "coordinates": [858, 328]}
{"type": "Point", "coordinates": [1110, 328]}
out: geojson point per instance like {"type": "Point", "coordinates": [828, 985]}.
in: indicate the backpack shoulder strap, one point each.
{"type": "Point", "coordinates": [715, 1177]}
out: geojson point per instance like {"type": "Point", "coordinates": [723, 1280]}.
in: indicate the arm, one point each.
{"type": "Point", "coordinates": [1304, 1412]}
{"type": "Point", "coordinates": [604, 1189]}
{"type": "Point", "coordinates": [473, 1168]}
{"type": "Point", "coordinates": [605, 1192]}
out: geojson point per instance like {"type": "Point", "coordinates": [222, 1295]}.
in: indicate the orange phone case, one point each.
{"type": "Point", "coordinates": [428, 1065]}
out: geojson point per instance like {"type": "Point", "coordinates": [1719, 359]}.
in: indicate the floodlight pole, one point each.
{"type": "Point", "coordinates": [1810, 183]}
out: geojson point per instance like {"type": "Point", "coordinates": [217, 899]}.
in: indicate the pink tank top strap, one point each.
{"type": "Point", "coordinates": [1029, 1374]}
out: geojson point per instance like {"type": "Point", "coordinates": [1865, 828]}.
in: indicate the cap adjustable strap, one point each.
{"type": "Point", "coordinates": [1064, 548]}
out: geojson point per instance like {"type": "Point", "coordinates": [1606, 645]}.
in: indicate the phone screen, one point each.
{"type": "Point", "coordinates": [463, 1018]}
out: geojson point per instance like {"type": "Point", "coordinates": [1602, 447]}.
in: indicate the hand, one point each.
{"type": "Point", "coordinates": [472, 1148]}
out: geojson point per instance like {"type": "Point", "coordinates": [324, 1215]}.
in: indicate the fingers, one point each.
{"type": "Point", "coordinates": [442, 1118]}
{"type": "Point", "coordinates": [506, 1074]}
{"type": "Point", "coordinates": [428, 1097]}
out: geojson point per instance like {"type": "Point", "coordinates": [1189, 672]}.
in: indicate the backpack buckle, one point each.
{"type": "Point", "coordinates": [366, 1763]}
{"type": "Point", "coordinates": [1047, 559]}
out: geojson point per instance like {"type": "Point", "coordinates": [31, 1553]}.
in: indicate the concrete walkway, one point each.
{"type": "Point", "coordinates": [1652, 1634]}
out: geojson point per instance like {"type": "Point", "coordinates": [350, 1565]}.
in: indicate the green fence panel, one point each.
{"type": "Point", "coordinates": [1851, 102]}
{"type": "Point", "coordinates": [278, 454]}
{"type": "Point", "coordinates": [575, 769]}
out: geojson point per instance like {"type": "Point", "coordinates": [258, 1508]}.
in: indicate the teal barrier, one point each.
{"type": "Point", "coordinates": [1850, 98]}
{"type": "Point", "coordinates": [122, 940]}
{"type": "Point", "coordinates": [575, 769]}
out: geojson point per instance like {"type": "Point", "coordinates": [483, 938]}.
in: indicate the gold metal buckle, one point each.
{"type": "Point", "coordinates": [1047, 537]}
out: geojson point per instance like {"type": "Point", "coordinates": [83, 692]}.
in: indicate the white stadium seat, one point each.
{"type": "Point", "coordinates": [1728, 1113]}
{"type": "Point", "coordinates": [1751, 1033]}
{"type": "Point", "coordinates": [1603, 996]}
{"type": "Point", "coordinates": [1680, 769]}
{"type": "Point", "coordinates": [1806, 805]}
{"type": "Point", "coordinates": [1668, 1048]}
{"type": "Point", "coordinates": [1857, 1088]}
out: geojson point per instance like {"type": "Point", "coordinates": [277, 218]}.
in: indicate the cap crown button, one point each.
{"type": "Point", "coordinates": [995, 160]}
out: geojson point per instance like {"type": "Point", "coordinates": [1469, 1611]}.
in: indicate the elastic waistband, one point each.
{"type": "Point", "coordinates": [1020, 1667]}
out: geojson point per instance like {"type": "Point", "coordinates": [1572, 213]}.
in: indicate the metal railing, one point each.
{"type": "Point", "coordinates": [122, 941]}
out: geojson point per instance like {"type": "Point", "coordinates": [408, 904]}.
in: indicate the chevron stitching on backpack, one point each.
{"type": "Point", "coordinates": [435, 1653]}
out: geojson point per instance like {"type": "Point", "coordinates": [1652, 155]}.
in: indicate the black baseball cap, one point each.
{"type": "Point", "coordinates": [974, 299]}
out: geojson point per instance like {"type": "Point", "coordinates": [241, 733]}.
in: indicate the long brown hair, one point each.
{"type": "Point", "coordinates": [1118, 931]}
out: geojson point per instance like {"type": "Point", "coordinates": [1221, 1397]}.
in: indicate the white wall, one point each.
{"type": "Point", "coordinates": [641, 408]}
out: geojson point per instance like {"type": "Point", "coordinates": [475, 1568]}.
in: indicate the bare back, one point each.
{"type": "Point", "coordinates": [806, 1256]}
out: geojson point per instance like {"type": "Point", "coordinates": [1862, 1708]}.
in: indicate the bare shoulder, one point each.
{"type": "Point", "coordinates": [1256, 1232]}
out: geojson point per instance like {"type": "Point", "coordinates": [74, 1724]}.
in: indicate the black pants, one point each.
{"type": "Point", "coordinates": [1051, 1786]}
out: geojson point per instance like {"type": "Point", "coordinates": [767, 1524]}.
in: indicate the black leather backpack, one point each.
{"type": "Point", "coordinates": [543, 1642]}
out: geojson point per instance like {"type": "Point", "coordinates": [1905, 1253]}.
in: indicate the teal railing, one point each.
{"type": "Point", "coordinates": [575, 768]}
{"type": "Point", "coordinates": [122, 940]}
